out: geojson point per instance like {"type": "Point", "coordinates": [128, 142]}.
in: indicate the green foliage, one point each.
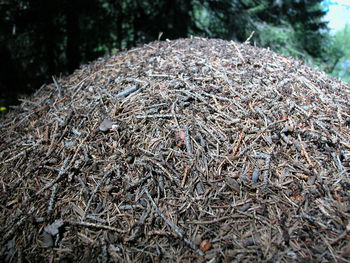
{"type": "Point", "coordinates": [291, 27]}
{"type": "Point", "coordinates": [338, 63]}
{"type": "Point", "coordinates": [279, 38]}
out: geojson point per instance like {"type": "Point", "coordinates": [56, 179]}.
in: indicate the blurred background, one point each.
{"type": "Point", "coordinates": [40, 39]}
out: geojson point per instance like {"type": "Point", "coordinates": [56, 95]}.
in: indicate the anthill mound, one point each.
{"type": "Point", "coordinates": [188, 150]}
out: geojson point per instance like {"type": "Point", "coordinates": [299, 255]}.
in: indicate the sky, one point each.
{"type": "Point", "coordinates": [338, 14]}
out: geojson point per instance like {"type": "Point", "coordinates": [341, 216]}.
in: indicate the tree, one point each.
{"type": "Point", "coordinates": [44, 38]}
{"type": "Point", "coordinates": [338, 54]}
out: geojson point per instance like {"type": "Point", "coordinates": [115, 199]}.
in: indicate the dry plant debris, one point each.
{"type": "Point", "coordinates": [194, 150]}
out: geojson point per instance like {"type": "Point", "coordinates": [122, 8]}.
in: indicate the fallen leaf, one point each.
{"type": "Point", "coordinates": [180, 138]}
{"type": "Point", "coordinates": [105, 125]}
{"type": "Point", "coordinates": [50, 231]}
{"type": "Point", "coordinates": [53, 228]}
{"type": "Point", "coordinates": [47, 240]}
{"type": "Point", "coordinates": [205, 245]}
{"type": "Point", "coordinates": [255, 176]}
